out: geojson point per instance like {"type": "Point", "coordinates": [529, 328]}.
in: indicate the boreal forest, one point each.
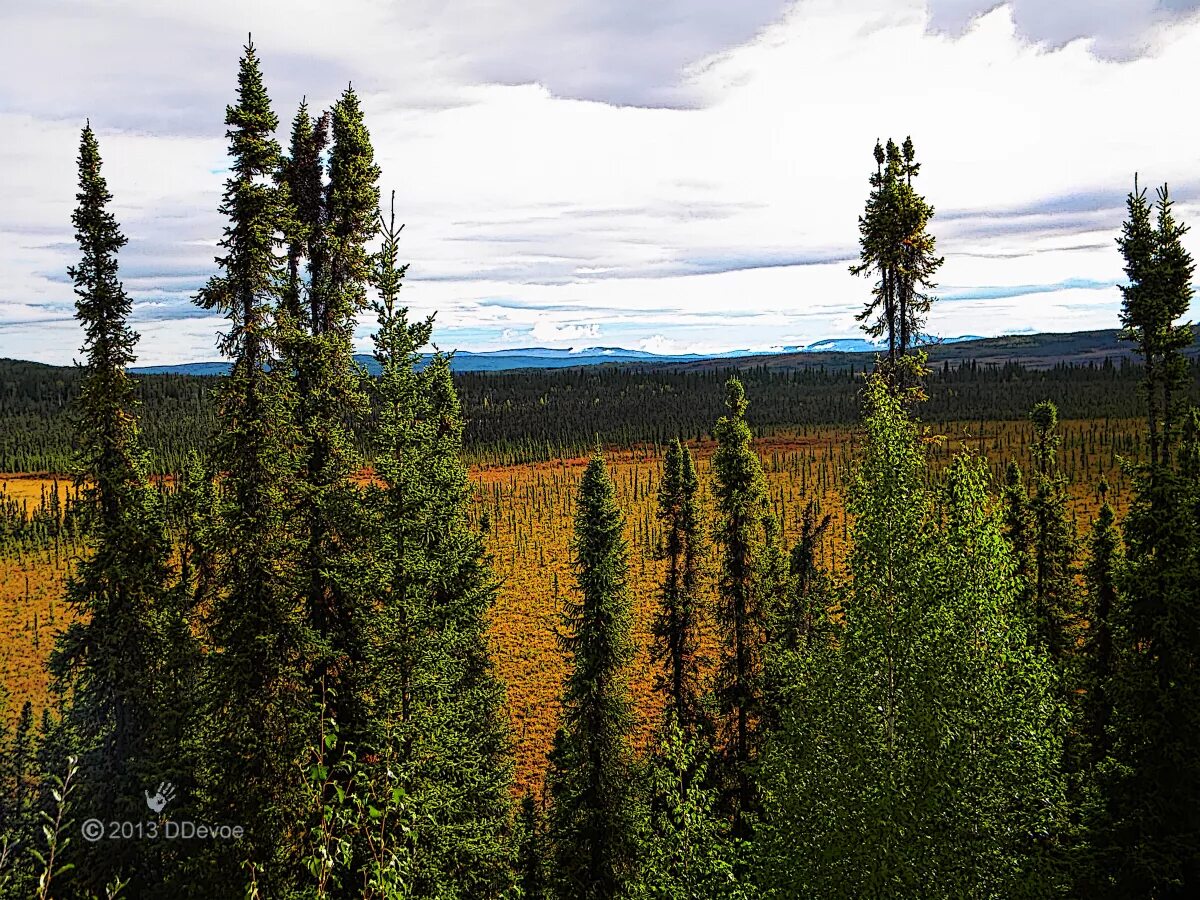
{"type": "Point", "coordinates": [900, 628]}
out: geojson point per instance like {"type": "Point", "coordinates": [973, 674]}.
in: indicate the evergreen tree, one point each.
{"type": "Point", "coordinates": [1056, 600]}
{"type": "Point", "coordinates": [1018, 530]}
{"type": "Point", "coordinates": [677, 625]}
{"type": "Point", "coordinates": [437, 701]}
{"type": "Point", "coordinates": [1148, 833]}
{"type": "Point", "coordinates": [1158, 295]}
{"type": "Point", "coordinates": [592, 818]}
{"type": "Point", "coordinates": [798, 618]}
{"type": "Point", "coordinates": [255, 729]}
{"type": "Point", "coordinates": [109, 661]}
{"type": "Point", "coordinates": [897, 248]}
{"type": "Point", "coordinates": [1101, 573]}
{"type": "Point", "coordinates": [532, 877]}
{"type": "Point", "coordinates": [921, 738]}
{"type": "Point", "coordinates": [331, 400]}
{"type": "Point", "coordinates": [744, 530]}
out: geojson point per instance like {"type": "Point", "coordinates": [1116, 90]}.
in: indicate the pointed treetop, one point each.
{"type": "Point", "coordinates": [735, 397]}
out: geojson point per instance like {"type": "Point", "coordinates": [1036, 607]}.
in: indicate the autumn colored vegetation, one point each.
{"type": "Point", "coordinates": [928, 649]}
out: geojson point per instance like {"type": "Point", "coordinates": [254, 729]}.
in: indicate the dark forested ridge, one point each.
{"type": "Point", "coordinates": [532, 414]}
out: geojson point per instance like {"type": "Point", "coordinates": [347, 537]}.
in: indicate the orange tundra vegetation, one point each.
{"type": "Point", "coordinates": [525, 511]}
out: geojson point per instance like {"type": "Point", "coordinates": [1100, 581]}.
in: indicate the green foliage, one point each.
{"type": "Point", "coordinates": [1056, 600]}
{"type": "Point", "coordinates": [922, 736]}
{"type": "Point", "coordinates": [256, 719]}
{"type": "Point", "coordinates": [1158, 295]}
{"type": "Point", "coordinates": [591, 779]}
{"type": "Point", "coordinates": [434, 696]}
{"type": "Point", "coordinates": [331, 225]}
{"type": "Point", "coordinates": [109, 662]}
{"type": "Point", "coordinates": [688, 852]}
{"type": "Point", "coordinates": [361, 843]}
{"type": "Point", "coordinates": [896, 246]}
{"type": "Point", "coordinates": [677, 626]}
{"type": "Point", "coordinates": [1145, 829]}
{"type": "Point", "coordinates": [750, 573]}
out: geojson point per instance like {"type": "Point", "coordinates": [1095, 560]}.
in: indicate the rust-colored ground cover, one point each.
{"type": "Point", "coordinates": [528, 510]}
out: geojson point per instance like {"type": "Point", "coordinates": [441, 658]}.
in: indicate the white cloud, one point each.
{"type": "Point", "coordinates": [555, 334]}
{"type": "Point", "coordinates": [725, 222]}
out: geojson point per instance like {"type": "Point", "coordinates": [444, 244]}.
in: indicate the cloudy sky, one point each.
{"type": "Point", "coordinates": [683, 175]}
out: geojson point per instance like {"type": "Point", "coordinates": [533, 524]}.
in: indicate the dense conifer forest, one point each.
{"type": "Point", "coordinates": [536, 414]}
{"type": "Point", "coordinates": [980, 696]}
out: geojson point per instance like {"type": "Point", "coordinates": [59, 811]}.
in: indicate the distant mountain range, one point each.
{"type": "Point", "coordinates": [551, 358]}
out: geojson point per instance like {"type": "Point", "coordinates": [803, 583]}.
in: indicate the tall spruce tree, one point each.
{"type": "Point", "coordinates": [1158, 295]}
{"type": "Point", "coordinates": [592, 818]}
{"type": "Point", "coordinates": [436, 701]}
{"type": "Point", "coordinates": [1149, 832]}
{"type": "Point", "coordinates": [1018, 530]}
{"type": "Point", "coordinates": [333, 226]}
{"type": "Point", "coordinates": [677, 625]}
{"type": "Point", "coordinates": [897, 249]}
{"type": "Point", "coordinates": [110, 660]}
{"type": "Point", "coordinates": [1055, 590]}
{"type": "Point", "coordinates": [258, 720]}
{"type": "Point", "coordinates": [923, 737]}
{"type": "Point", "coordinates": [744, 533]}
{"type": "Point", "coordinates": [1101, 574]}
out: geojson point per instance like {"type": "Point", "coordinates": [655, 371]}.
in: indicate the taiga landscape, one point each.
{"type": "Point", "coordinates": [312, 588]}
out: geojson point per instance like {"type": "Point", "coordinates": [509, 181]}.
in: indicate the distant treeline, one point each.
{"type": "Point", "coordinates": [538, 413]}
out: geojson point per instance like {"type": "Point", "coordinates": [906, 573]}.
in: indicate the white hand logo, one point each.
{"type": "Point", "coordinates": [166, 793]}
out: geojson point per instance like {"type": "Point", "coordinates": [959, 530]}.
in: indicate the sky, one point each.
{"type": "Point", "coordinates": [678, 176]}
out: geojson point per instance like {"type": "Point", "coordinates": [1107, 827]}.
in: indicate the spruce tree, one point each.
{"type": "Point", "coordinates": [1055, 592]}
{"type": "Point", "coordinates": [255, 730]}
{"type": "Point", "coordinates": [1018, 530]}
{"type": "Point", "coordinates": [333, 226]}
{"type": "Point", "coordinates": [1157, 296]}
{"type": "Point", "coordinates": [1101, 574]}
{"type": "Point", "coordinates": [1148, 834]}
{"type": "Point", "coordinates": [110, 660]}
{"type": "Point", "coordinates": [532, 877]}
{"type": "Point", "coordinates": [435, 699]}
{"type": "Point", "coordinates": [592, 818]}
{"type": "Point", "coordinates": [896, 247]}
{"type": "Point", "coordinates": [744, 530]}
{"type": "Point", "coordinates": [677, 625]}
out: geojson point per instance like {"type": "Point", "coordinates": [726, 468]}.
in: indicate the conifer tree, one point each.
{"type": "Point", "coordinates": [677, 626]}
{"type": "Point", "coordinates": [795, 620]}
{"type": "Point", "coordinates": [592, 818]}
{"type": "Point", "coordinates": [897, 248]}
{"type": "Point", "coordinates": [532, 877]}
{"type": "Point", "coordinates": [744, 530]}
{"type": "Point", "coordinates": [436, 700]}
{"type": "Point", "coordinates": [1148, 834]}
{"type": "Point", "coordinates": [798, 616]}
{"type": "Point", "coordinates": [109, 661]}
{"type": "Point", "coordinates": [334, 228]}
{"type": "Point", "coordinates": [1101, 572]}
{"type": "Point", "coordinates": [1056, 600]}
{"type": "Point", "coordinates": [258, 719]}
{"type": "Point", "coordinates": [1158, 295]}
{"type": "Point", "coordinates": [1018, 529]}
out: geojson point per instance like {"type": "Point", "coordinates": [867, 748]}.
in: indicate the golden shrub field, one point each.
{"type": "Point", "coordinates": [526, 514]}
